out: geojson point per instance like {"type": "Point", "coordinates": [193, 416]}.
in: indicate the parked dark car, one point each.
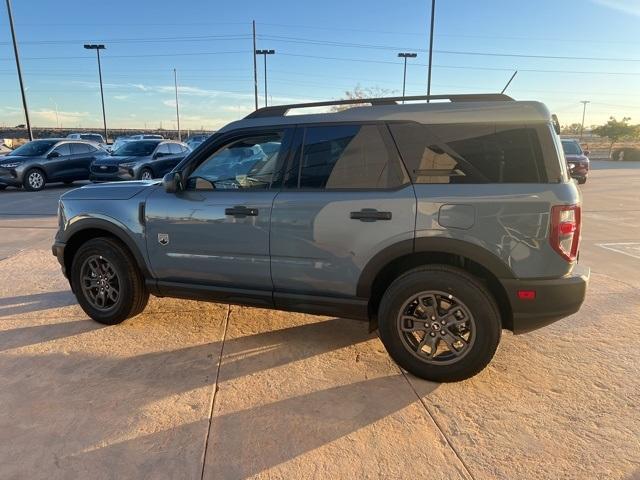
{"type": "Point", "coordinates": [139, 160]}
{"type": "Point", "coordinates": [577, 160]}
{"type": "Point", "coordinates": [39, 162]}
{"type": "Point", "coordinates": [194, 141]}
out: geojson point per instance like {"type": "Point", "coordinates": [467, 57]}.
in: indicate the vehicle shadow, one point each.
{"type": "Point", "coordinates": [35, 302]}
{"type": "Point", "coordinates": [244, 443]}
{"type": "Point", "coordinates": [98, 400]}
{"type": "Point", "coordinates": [21, 337]}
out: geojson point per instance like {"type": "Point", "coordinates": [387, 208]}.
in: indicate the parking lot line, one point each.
{"type": "Point", "coordinates": [631, 249]}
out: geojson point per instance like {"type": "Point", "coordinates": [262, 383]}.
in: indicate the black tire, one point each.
{"type": "Point", "coordinates": [132, 292]}
{"type": "Point", "coordinates": [582, 180]}
{"type": "Point", "coordinates": [3, 187]}
{"type": "Point", "coordinates": [34, 180]}
{"type": "Point", "coordinates": [470, 293]}
{"type": "Point", "coordinates": [145, 171]}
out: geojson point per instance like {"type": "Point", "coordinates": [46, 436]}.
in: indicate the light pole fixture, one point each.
{"type": "Point", "coordinates": [265, 53]}
{"type": "Point", "coordinates": [97, 48]}
{"type": "Point", "coordinates": [405, 55]}
{"type": "Point", "coordinates": [175, 82]}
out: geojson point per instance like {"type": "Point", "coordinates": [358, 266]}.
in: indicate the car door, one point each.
{"type": "Point", "coordinates": [82, 156]}
{"type": "Point", "coordinates": [176, 155]}
{"type": "Point", "coordinates": [161, 159]}
{"type": "Point", "coordinates": [346, 197]}
{"type": "Point", "coordinates": [59, 164]}
{"type": "Point", "coordinates": [215, 231]}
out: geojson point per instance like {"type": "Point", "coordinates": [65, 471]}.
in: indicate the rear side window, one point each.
{"type": "Point", "coordinates": [80, 148]}
{"type": "Point", "coordinates": [348, 156]}
{"type": "Point", "coordinates": [476, 153]}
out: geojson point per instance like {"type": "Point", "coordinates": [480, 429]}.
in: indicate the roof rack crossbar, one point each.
{"type": "Point", "coordinates": [282, 110]}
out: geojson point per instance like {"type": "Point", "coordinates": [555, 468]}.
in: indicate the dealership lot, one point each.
{"type": "Point", "coordinates": [195, 390]}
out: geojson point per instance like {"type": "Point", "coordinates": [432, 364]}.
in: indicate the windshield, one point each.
{"type": "Point", "coordinates": [33, 149]}
{"type": "Point", "coordinates": [571, 148]}
{"type": "Point", "coordinates": [138, 148]}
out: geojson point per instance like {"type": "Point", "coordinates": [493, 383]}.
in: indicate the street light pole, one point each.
{"type": "Point", "coordinates": [97, 48]}
{"type": "Point", "coordinates": [433, 14]}
{"type": "Point", "coordinates": [255, 67]}
{"type": "Point", "coordinates": [584, 111]}
{"type": "Point", "coordinates": [175, 81]}
{"type": "Point", "coordinates": [264, 53]}
{"type": "Point", "coordinates": [15, 51]}
{"type": "Point", "coordinates": [405, 55]}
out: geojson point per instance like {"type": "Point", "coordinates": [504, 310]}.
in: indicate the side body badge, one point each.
{"type": "Point", "coordinates": [163, 238]}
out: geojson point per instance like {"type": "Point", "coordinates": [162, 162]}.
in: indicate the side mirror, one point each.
{"type": "Point", "coordinates": [172, 182]}
{"type": "Point", "coordinates": [53, 155]}
{"type": "Point", "coordinates": [586, 153]}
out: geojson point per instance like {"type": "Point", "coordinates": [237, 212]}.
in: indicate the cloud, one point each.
{"type": "Point", "coordinates": [46, 115]}
{"type": "Point", "coordinates": [169, 103]}
{"type": "Point", "coordinates": [237, 108]}
{"type": "Point", "coordinates": [120, 97]}
{"type": "Point", "coordinates": [627, 6]}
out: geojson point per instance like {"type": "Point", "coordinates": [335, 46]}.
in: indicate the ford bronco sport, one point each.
{"type": "Point", "coordinates": [439, 223]}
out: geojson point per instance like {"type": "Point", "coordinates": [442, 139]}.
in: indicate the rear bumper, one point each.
{"type": "Point", "coordinates": [554, 299]}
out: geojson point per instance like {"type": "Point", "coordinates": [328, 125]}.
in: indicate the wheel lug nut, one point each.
{"type": "Point", "coordinates": [443, 322]}
{"type": "Point", "coordinates": [433, 318]}
{"type": "Point", "coordinates": [432, 334]}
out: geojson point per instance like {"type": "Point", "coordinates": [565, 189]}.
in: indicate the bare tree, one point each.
{"type": "Point", "coordinates": [360, 92]}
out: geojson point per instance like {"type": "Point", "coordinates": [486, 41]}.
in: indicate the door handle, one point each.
{"type": "Point", "coordinates": [370, 215]}
{"type": "Point", "coordinates": [241, 211]}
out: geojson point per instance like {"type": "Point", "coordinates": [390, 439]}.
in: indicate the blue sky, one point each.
{"type": "Point", "coordinates": [322, 49]}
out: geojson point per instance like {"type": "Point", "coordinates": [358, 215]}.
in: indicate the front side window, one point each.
{"type": "Point", "coordinates": [175, 149]}
{"type": "Point", "coordinates": [63, 149]}
{"type": "Point", "coordinates": [470, 153]}
{"type": "Point", "coordinates": [246, 163]}
{"type": "Point", "coordinates": [348, 157]}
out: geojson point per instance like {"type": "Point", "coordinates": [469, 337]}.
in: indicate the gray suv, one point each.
{"type": "Point", "coordinates": [438, 223]}
{"type": "Point", "coordinates": [39, 162]}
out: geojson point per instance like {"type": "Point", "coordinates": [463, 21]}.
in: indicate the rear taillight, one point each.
{"type": "Point", "coordinates": [565, 230]}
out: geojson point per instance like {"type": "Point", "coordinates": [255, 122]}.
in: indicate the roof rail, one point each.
{"type": "Point", "coordinates": [282, 110]}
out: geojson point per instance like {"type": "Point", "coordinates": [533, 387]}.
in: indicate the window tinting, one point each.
{"type": "Point", "coordinates": [246, 163]}
{"type": "Point", "coordinates": [348, 156]}
{"type": "Point", "coordinates": [470, 153]}
{"type": "Point", "coordinates": [164, 149]}
{"type": "Point", "coordinates": [175, 149]}
{"type": "Point", "coordinates": [63, 149]}
{"type": "Point", "coordinates": [80, 148]}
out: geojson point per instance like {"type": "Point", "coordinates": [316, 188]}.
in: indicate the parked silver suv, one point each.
{"type": "Point", "coordinates": [439, 223]}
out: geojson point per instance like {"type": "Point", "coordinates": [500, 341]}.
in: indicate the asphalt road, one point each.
{"type": "Point", "coordinates": [196, 390]}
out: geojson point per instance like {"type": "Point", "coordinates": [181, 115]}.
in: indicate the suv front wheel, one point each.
{"type": "Point", "coordinates": [439, 323]}
{"type": "Point", "coordinates": [107, 282]}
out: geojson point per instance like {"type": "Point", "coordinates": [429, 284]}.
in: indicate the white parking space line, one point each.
{"type": "Point", "coordinates": [632, 249]}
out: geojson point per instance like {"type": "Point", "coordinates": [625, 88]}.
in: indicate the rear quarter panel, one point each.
{"type": "Point", "coordinates": [509, 220]}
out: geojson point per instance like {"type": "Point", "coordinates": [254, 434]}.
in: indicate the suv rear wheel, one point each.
{"type": "Point", "coordinates": [439, 323]}
{"type": "Point", "coordinates": [107, 282]}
